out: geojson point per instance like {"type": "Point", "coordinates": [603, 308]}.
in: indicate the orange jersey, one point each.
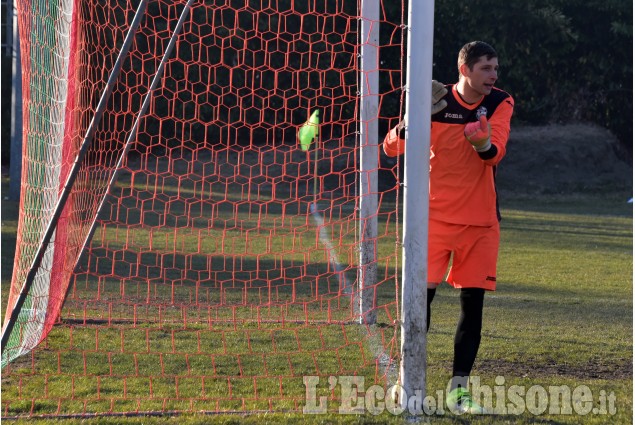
{"type": "Point", "coordinates": [462, 181]}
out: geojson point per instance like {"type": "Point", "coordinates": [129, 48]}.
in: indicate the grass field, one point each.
{"type": "Point", "coordinates": [562, 316]}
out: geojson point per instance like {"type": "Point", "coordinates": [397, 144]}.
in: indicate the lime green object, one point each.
{"type": "Point", "coordinates": [460, 401]}
{"type": "Point", "coordinates": [309, 130]}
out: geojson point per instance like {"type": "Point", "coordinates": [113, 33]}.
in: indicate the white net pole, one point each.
{"type": "Point", "coordinates": [15, 166]}
{"type": "Point", "coordinates": [420, 32]}
{"type": "Point", "coordinates": [369, 159]}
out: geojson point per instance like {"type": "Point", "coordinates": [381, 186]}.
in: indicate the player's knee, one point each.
{"type": "Point", "coordinates": [472, 294]}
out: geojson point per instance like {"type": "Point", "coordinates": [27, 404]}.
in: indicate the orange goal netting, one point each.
{"type": "Point", "coordinates": [210, 264]}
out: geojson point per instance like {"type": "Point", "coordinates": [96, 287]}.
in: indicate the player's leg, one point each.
{"type": "Point", "coordinates": [467, 339]}
{"type": "Point", "coordinates": [474, 272]}
{"type": "Point", "coordinates": [432, 290]}
{"type": "Point", "coordinates": [466, 344]}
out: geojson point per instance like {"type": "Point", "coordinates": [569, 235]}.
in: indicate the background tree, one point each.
{"type": "Point", "coordinates": [562, 60]}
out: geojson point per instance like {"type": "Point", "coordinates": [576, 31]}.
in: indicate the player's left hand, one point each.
{"type": "Point", "coordinates": [478, 134]}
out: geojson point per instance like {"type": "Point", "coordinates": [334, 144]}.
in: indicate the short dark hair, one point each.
{"type": "Point", "coordinates": [472, 51]}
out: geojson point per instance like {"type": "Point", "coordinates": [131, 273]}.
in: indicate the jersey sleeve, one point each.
{"type": "Point", "coordinates": [500, 125]}
{"type": "Point", "coordinates": [393, 144]}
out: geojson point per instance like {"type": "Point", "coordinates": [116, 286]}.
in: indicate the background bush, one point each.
{"type": "Point", "coordinates": [562, 60]}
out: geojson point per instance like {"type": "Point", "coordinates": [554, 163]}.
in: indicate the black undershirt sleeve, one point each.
{"type": "Point", "coordinates": [489, 154]}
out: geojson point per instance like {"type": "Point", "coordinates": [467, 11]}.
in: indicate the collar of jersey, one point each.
{"type": "Point", "coordinates": [462, 102]}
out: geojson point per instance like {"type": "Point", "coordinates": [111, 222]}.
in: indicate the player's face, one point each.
{"type": "Point", "coordinates": [482, 76]}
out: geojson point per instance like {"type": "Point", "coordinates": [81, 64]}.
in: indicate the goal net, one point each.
{"type": "Point", "coordinates": [211, 264]}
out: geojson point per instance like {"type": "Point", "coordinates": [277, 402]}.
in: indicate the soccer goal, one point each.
{"type": "Point", "coordinates": [179, 249]}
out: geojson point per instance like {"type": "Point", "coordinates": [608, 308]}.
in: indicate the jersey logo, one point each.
{"type": "Point", "coordinates": [451, 115]}
{"type": "Point", "coordinates": [481, 111]}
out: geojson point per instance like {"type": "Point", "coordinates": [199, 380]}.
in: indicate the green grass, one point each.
{"type": "Point", "coordinates": [562, 315]}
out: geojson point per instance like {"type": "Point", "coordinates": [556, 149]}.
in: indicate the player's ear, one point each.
{"type": "Point", "coordinates": [464, 69]}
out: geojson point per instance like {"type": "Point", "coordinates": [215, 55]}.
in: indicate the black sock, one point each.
{"type": "Point", "coordinates": [468, 331]}
{"type": "Point", "coordinates": [431, 292]}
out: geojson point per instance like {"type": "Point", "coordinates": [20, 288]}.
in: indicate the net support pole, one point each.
{"type": "Point", "coordinates": [420, 33]}
{"type": "Point", "coordinates": [15, 161]}
{"type": "Point", "coordinates": [72, 175]}
{"type": "Point", "coordinates": [369, 160]}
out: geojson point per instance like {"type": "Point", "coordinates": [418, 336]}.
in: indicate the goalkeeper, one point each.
{"type": "Point", "coordinates": [470, 128]}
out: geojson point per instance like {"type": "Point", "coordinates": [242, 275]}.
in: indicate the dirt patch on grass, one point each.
{"type": "Point", "coordinates": [593, 369]}
{"type": "Point", "coordinates": [564, 159]}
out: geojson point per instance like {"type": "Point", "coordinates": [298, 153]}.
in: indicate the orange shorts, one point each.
{"type": "Point", "coordinates": [473, 251]}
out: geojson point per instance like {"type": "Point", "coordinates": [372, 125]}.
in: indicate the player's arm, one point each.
{"type": "Point", "coordinates": [394, 142]}
{"type": "Point", "coordinates": [489, 137]}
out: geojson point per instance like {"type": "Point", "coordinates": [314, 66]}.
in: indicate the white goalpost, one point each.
{"type": "Point", "coordinates": [420, 33]}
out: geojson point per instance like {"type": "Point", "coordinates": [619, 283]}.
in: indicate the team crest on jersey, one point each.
{"type": "Point", "coordinates": [482, 110]}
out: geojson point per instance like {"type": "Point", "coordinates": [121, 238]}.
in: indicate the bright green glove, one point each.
{"type": "Point", "coordinates": [309, 130]}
